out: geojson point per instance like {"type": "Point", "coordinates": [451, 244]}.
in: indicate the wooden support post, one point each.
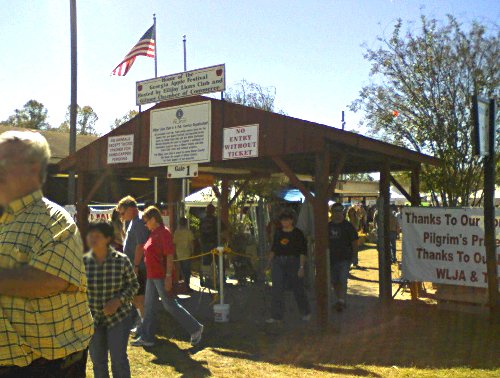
{"type": "Point", "coordinates": [415, 201]}
{"type": "Point", "coordinates": [385, 280]}
{"type": "Point", "coordinates": [415, 186]}
{"type": "Point", "coordinates": [320, 203]}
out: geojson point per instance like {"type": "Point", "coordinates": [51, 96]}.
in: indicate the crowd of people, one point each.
{"type": "Point", "coordinates": [58, 304]}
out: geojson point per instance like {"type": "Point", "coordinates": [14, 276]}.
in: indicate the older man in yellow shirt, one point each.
{"type": "Point", "coordinates": [45, 320]}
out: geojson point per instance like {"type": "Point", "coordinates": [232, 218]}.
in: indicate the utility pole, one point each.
{"type": "Point", "coordinates": [73, 103]}
{"type": "Point", "coordinates": [489, 216]}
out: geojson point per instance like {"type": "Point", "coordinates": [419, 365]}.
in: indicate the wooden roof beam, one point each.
{"type": "Point", "coordinates": [400, 188]}
{"type": "Point", "coordinates": [336, 173]}
{"type": "Point", "coordinates": [293, 177]}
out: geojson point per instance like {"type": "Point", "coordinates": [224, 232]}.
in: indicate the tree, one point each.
{"type": "Point", "coordinates": [127, 117]}
{"type": "Point", "coordinates": [253, 95]}
{"type": "Point", "coordinates": [420, 97]}
{"type": "Point", "coordinates": [85, 121]}
{"type": "Point", "coordinates": [33, 115]}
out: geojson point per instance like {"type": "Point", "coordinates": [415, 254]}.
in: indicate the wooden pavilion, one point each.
{"type": "Point", "coordinates": [285, 145]}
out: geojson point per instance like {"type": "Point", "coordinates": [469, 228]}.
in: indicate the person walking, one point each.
{"type": "Point", "coordinates": [159, 258]}
{"type": "Point", "coordinates": [287, 259]}
{"type": "Point", "coordinates": [133, 246]}
{"type": "Point", "coordinates": [343, 241]}
{"type": "Point", "coordinates": [394, 230]}
{"type": "Point", "coordinates": [184, 246]}
{"type": "Point", "coordinates": [45, 319]}
{"type": "Point", "coordinates": [353, 216]}
{"type": "Point", "coordinates": [112, 286]}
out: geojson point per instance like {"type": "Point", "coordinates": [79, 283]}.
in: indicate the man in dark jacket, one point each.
{"type": "Point", "coordinates": [343, 239]}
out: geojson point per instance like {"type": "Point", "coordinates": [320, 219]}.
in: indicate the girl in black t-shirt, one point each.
{"type": "Point", "coordinates": [287, 259]}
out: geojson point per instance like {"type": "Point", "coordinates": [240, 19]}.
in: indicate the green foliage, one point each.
{"type": "Point", "coordinates": [364, 177]}
{"type": "Point", "coordinates": [85, 121]}
{"type": "Point", "coordinates": [428, 77]}
{"type": "Point", "coordinates": [33, 115]}
{"type": "Point", "coordinates": [253, 95]}
{"type": "Point", "coordinates": [127, 117]}
{"type": "Point", "coordinates": [194, 223]}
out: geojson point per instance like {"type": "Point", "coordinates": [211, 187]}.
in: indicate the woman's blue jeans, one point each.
{"type": "Point", "coordinates": [154, 289]}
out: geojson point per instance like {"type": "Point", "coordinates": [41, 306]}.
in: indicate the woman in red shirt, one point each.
{"type": "Point", "coordinates": [159, 259]}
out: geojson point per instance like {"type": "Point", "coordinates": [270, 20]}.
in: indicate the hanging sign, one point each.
{"type": "Point", "coordinates": [241, 142]}
{"type": "Point", "coordinates": [182, 84]}
{"type": "Point", "coordinates": [182, 171]}
{"type": "Point", "coordinates": [180, 135]}
{"type": "Point", "coordinates": [121, 149]}
{"type": "Point", "coordinates": [445, 246]}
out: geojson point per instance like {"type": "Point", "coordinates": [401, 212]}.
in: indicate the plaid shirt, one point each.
{"type": "Point", "coordinates": [39, 233]}
{"type": "Point", "coordinates": [115, 278]}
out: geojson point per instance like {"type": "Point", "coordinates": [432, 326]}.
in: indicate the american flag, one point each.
{"type": "Point", "coordinates": [145, 47]}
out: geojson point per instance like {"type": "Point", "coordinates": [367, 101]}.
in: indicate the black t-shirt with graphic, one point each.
{"type": "Point", "coordinates": [292, 243]}
{"type": "Point", "coordinates": [341, 235]}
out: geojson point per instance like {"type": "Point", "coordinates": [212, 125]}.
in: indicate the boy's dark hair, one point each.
{"type": "Point", "coordinates": [337, 206]}
{"type": "Point", "coordinates": [183, 222]}
{"type": "Point", "coordinates": [104, 228]}
{"type": "Point", "coordinates": [287, 214]}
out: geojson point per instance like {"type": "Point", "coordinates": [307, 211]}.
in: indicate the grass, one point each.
{"type": "Point", "coordinates": [368, 340]}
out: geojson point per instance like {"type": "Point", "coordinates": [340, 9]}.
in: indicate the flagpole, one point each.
{"type": "Point", "coordinates": [156, 75]}
{"type": "Point", "coordinates": [156, 46]}
{"type": "Point", "coordinates": [184, 43]}
{"type": "Point", "coordinates": [185, 181]}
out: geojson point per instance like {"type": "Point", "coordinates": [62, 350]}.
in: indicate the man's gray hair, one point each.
{"type": "Point", "coordinates": [35, 148]}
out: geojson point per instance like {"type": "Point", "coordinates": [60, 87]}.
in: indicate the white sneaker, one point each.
{"type": "Point", "coordinates": [306, 318]}
{"type": "Point", "coordinates": [196, 337]}
{"type": "Point", "coordinates": [141, 342]}
{"type": "Point", "coordinates": [272, 321]}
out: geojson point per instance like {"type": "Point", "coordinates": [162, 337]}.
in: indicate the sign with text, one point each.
{"type": "Point", "coordinates": [180, 135]}
{"type": "Point", "coordinates": [121, 149]}
{"type": "Point", "coordinates": [241, 142]}
{"type": "Point", "coordinates": [182, 171]}
{"type": "Point", "coordinates": [445, 245]}
{"type": "Point", "coordinates": [182, 84]}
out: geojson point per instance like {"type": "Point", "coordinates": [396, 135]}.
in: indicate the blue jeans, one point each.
{"type": "Point", "coordinates": [285, 274]}
{"type": "Point", "coordinates": [113, 339]}
{"type": "Point", "coordinates": [155, 288]}
{"type": "Point", "coordinates": [339, 274]}
{"type": "Point", "coordinates": [392, 240]}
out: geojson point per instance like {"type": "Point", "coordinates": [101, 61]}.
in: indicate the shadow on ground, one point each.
{"type": "Point", "coordinates": [404, 334]}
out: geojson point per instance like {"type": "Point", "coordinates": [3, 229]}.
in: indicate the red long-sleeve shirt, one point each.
{"type": "Point", "coordinates": [158, 246]}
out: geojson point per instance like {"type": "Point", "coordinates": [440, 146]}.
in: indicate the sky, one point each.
{"type": "Point", "coordinates": [310, 51]}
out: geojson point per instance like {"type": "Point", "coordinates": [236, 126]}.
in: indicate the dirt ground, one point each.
{"type": "Point", "coordinates": [405, 339]}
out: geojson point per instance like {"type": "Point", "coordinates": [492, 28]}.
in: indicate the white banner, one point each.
{"type": "Point", "coordinates": [445, 246]}
{"type": "Point", "coordinates": [94, 214]}
{"type": "Point", "coordinates": [121, 149]}
{"type": "Point", "coordinates": [182, 84]}
{"type": "Point", "coordinates": [241, 142]}
{"type": "Point", "coordinates": [180, 135]}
